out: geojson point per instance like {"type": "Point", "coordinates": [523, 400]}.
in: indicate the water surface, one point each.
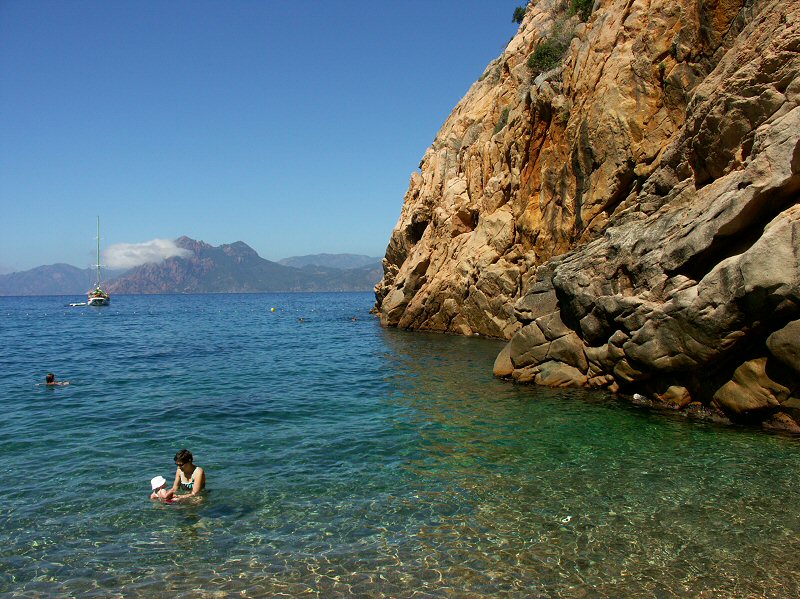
{"type": "Point", "coordinates": [345, 459]}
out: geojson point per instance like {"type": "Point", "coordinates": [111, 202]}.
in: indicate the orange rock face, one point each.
{"type": "Point", "coordinates": [626, 216]}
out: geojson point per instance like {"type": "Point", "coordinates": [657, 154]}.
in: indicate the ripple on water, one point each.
{"type": "Point", "coordinates": [345, 459]}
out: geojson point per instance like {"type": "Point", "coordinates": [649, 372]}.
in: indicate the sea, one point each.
{"type": "Point", "coordinates": [345, 459]}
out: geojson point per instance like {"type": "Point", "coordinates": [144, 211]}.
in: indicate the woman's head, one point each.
{"type": "Point", "coordinates": [50, 378]}
{"type": "Point", "coordinates": [184, 456]}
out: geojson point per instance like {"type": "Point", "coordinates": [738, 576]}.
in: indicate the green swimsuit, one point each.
{"type": "Point", "coordinates": [188, 485]}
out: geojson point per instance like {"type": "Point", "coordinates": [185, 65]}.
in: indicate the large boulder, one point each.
{"type": "Point", "coordinates": [784, 345]}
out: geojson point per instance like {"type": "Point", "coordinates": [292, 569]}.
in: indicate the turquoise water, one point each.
{"type": "Point", "coordinates": [344, 459]}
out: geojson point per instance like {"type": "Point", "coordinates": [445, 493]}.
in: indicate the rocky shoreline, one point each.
{"type": "Point", "coordinates": [628, 219]}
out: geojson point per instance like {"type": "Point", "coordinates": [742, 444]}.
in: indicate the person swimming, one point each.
{"type": "Point", "coordinates": [188, 477]}
{"type": "Point", "coordinates": [50, 380]}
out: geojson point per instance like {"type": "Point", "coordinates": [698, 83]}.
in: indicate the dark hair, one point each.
{"type": "Point", "coordinates": [184, 455]}
{"type": "Point", "coordinates": [50, 377]}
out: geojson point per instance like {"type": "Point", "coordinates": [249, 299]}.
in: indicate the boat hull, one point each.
{"type": "Point", "coordinates": [97, 297]}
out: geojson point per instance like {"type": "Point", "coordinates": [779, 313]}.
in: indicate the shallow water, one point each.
{"type": "Point", "coordinates": [345, 459]}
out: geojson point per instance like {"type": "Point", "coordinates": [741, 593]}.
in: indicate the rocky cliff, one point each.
{"type": "Point", "coordinates": [620, 199]}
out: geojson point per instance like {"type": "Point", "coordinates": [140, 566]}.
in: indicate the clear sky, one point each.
{"type": "Point", "coordinates": [290, 125]}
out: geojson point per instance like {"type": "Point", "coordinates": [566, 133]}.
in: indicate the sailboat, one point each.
{"type": "Point", "coordinates": [98, 297]}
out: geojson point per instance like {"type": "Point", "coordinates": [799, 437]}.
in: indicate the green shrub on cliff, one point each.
{"type": "Point", "coordinates": [519, 14]}
{"type": "Point", "coordinates": [502, 122]}
{"type": "Point", "coordinates": [582, 8]}
{"type": "Point", "coordinates": [551, 49]}
{"type": "Point", "coordinates": [547, 54]}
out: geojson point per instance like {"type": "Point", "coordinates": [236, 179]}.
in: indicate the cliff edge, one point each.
{"type": "Point", "coordinates": [619, 197]}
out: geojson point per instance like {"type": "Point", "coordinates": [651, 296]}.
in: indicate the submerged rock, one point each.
{"type": "Point", "coordinates": [628, 220]}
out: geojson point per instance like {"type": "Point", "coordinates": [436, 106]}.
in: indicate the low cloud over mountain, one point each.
{"type": "Point", "coordinates": [130, 255]}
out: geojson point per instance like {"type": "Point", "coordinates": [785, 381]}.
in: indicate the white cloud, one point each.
{"type": "Point", "coordinates": [128, 255]}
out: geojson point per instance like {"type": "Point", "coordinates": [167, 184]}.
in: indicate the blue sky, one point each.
{"type": "Point", "coordinates": [290, 125]}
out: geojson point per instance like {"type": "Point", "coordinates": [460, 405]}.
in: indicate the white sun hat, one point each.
{"type": "Point", "coordinates": [157, 482]}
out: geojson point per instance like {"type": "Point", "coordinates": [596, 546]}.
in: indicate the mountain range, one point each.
{"type": "Point", "coordinates": [340, 261]}
{"type": "Point", "coordinates": [228, 268]}
{"type": "Point", "coordinates": [54, 279]}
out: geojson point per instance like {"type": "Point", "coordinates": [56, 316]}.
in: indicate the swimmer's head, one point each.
{"type": "Point", "coordinates": [183, 456]}
{"type": "Point", "coordinates": [50, 378]}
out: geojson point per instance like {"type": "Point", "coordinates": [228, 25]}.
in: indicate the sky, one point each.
{"type": "Point", "coordinates": [291, 125]}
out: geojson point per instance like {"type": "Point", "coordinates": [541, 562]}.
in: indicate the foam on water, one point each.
{"type": "Point", "coordinates": [344, 459]}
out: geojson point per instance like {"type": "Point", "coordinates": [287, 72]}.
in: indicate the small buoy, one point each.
{"type": "Point", "coordinates": [272, 309]}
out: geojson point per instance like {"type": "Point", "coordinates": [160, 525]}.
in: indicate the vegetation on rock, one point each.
{"type": "Point", "coordinates": [550, 51]}
{"type": "Point", "coordinates": [502, 122]}
{"type": "Point", "coordinates": [582, 8]}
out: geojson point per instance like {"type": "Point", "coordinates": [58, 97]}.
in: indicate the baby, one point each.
{"type": "Point", "coordinates": [160, 492]}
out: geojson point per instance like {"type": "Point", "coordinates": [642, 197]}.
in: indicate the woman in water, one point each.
{"type": "Point", "coordinates": [188, 477]}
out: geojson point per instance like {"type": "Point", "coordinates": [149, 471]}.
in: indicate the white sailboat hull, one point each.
{"type": "Point", "coordinates": [98, 301]}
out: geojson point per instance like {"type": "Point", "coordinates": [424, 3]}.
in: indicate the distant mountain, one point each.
{"type": "Point", "coordinates": [236, 267]}
{"type": "Point", "coordinates": [229, 268]}
{"type": "Point", "coordinates": [340, 261]}
{"type": "Point", "coordinates": [55, 279]}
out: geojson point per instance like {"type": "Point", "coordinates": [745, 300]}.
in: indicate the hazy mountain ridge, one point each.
{"type": "Point", "coordinates": [340, 261]}
{"type": "Point", "coordinates": [52, 279]}
{"type": "Point", "coordinates": [228, 268]}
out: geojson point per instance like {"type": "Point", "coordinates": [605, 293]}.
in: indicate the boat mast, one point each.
{"type": "Point", "coordinates": [98, 251]}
